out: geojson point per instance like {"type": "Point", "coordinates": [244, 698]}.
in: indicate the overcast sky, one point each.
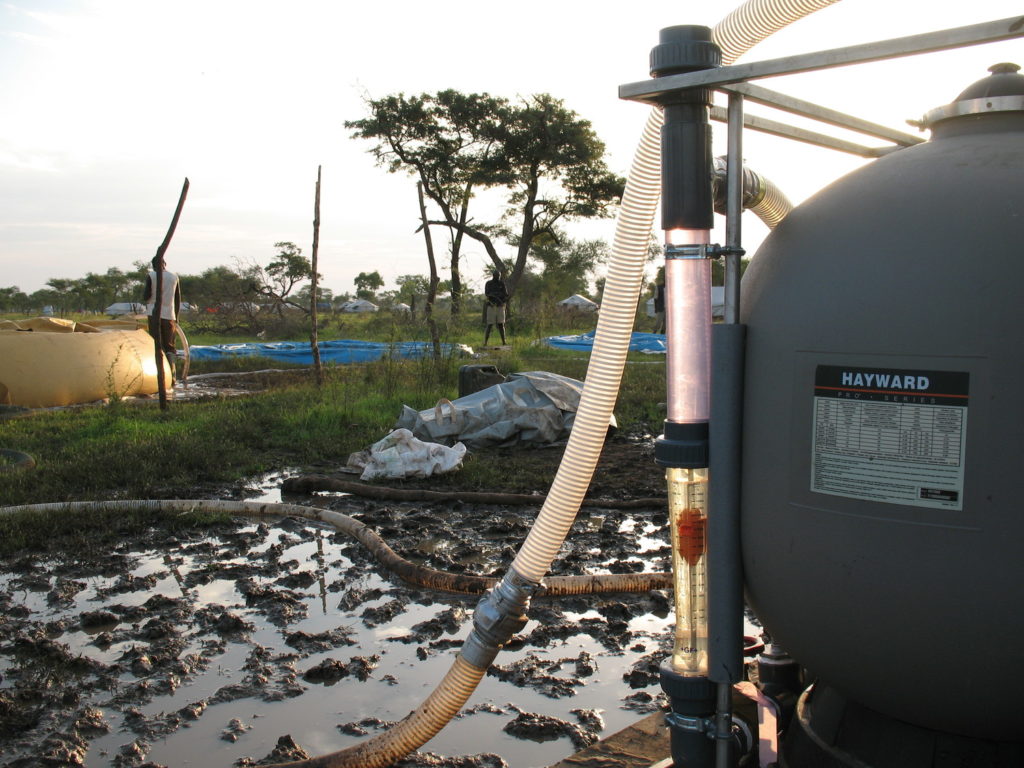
{"type": "Point", "coordinates": [107, 105]}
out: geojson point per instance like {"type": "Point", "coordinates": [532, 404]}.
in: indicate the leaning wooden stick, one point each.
{"type": "Point", "coordinates": [317, 365]}
{"type": "Point", "coordinates": [158, 297]}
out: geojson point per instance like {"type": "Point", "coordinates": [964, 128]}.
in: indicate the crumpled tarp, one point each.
{"type": "Point", "coordinates": [648, 343]}
{"type": "Point", "coordinates": [401, 455]}
{"type": "Point", "coordinates": [532, 408]}
{"type": "Point", "coordinates": [333, 351]}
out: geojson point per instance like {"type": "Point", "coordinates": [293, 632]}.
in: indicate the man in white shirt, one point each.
{"type": "Point", "coordinates": [169, 307]}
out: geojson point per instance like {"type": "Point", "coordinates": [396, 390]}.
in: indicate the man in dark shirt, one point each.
{"type": "Point", "coordinates": [496, 296]}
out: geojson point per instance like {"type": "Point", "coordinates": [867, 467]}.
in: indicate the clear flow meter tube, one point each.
{"type": "Point", "coordinates": [688, 325]}
{"type": "Point", "coordinates": [687, 501]}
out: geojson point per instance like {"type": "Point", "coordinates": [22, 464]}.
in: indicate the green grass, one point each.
{"type": "Point", "coordinates": [92, 531]}
{"type": "Point", "coordinates": [198, 449]}
{"type": "Point", "coordinates": [136, 451]}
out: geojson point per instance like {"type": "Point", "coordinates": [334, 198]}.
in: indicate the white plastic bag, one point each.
{"type": "Point", "coordinates": [400, 455]}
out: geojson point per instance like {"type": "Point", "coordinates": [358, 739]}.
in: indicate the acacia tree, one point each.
{"type": "Point", "coordinates": [567, 264]}
{"type": "Point", "coordinates": [275, 282]}
{"type": "Point", "coordinates": [444, 140]}
{"type": "Point", "coordinates": [547, 158]}
{"type": "Point", "coordinates": [13, 299]}
{"type": "Point", "coordinates": [367, 284]}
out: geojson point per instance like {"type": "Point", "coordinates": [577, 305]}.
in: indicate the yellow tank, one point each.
{"type": "Point", "coordinates": [48, 361]}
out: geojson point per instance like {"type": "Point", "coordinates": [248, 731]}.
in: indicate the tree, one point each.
{"type": "Point", "coordinates": [304, 295]}
{"type": "Point", "coordinates": [410, 286]}
{"type": "Point", "coordinates": [553, 165]}
{"type": "Point", "coordinates": [13, 299]}
{"type": "Point", "coordinates": [444, 140]}
{"type": "Point", "coordinates": [275, 282]}
{"type": "Point", "coordinates": [62, 291]}
{"type": "Point", "coordinates": [547, 159]}
{"type": "Point", "coordinates": [568, 265]}
{"type": "Point", "coordinates": [215, 287]}
{"type": "Point", "coordinates": [367, 284]}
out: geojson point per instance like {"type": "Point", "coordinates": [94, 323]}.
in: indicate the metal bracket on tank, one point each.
{"type": "Point", "coordinates": [702, 251]}
{"type": "Point", "coordinates": [694, 724]}
{"type": "Point", "coordinates": [707, 726]}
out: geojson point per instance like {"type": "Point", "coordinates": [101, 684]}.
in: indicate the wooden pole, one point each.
{"type": "Point", "coordinates": [158, 297]}
{"type": "Point", "coordinates": [317, 365]}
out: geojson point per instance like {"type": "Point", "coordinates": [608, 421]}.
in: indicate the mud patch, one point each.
{"type": "Point", "coordinates": [266, 641]}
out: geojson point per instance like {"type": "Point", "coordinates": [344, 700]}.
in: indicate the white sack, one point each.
{"type": "Point", "coordinates": [401, 455]}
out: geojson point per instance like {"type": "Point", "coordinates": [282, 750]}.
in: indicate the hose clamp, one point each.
{"type": "Point", "coordinates": [705, 725]}
{"type": "Point", "coordinates": [736, 727]}
{"type": "Point", "coordinates": [687, 252]}
{"type": "Point", "coordinates": [702, 251]}
{"type": "Point", "coordinates": [498, 616]}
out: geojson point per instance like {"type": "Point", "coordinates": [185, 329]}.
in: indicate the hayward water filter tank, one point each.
{"type": "Point", "coordinates": [883, 470]}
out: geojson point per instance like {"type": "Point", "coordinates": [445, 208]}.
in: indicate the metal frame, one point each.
{"type": "Point", "coordinates": [958, 37]}
{"type": "Point", "coordinates": [732, 80]}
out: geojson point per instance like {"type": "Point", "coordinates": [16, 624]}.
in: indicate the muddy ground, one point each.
{"type": "Point", "coordinates": [264, 641]}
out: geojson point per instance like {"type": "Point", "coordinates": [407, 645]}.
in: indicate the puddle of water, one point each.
{"type": "Point", "coordinates": [330, 584]}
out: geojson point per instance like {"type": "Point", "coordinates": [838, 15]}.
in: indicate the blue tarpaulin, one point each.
{"type": "Point", "coordinates": [651, 343]}
{"type": "Point", "coordinates": [335, 351]}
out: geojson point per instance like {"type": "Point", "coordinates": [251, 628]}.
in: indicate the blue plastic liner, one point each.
{"type": "Point", "coordinates": [336, 351]}
{"type": "Point", "coordinates": [652, 343]}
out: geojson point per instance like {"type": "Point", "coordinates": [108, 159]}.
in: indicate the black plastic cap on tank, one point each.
{"type": "Point", "coordinates": [685, 48]}
{"type": "Point", "coordinates": [1000, 96]}
{"type": "Point", "coordinates": [1004, 81]}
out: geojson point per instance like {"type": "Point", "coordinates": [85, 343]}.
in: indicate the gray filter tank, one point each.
{"type": "Point", "coordinates": [883, 522]}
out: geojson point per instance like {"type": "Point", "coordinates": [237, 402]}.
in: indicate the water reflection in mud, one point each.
{"type": "Point", "coordinates": [204, 650]}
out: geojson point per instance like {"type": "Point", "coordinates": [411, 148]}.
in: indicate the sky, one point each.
{"type": "Point", "coordinates": [106, 106]}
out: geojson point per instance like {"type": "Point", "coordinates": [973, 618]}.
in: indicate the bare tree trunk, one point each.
{"type": "Point", "coordinates": [317, 365]}
{"type": "Point", "coordinates": [428, 310]}
{"type": "Point", "coordinates": [456, 252]}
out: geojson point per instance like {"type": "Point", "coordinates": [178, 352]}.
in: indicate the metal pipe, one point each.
{"type": "Point", "coordinates": [725, 565]}
{"type": "Point", "coordinates": [734, 209]}
{"type": "Point", "coordinates": [723, 726]}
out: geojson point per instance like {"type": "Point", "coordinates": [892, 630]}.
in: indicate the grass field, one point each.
{"type": "Point", "coordinates": [198, 449]}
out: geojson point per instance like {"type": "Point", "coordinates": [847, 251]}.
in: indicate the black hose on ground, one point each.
{"type": "Point", "coordinates": [310, 483]}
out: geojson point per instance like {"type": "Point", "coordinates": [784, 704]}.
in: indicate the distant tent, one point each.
{"type": "Point", "coordinates": [401, 307]}
{"type": "Point", "coordinates": [717, 302]}
{"type": "Point", "coordinates": [358, 305]}
{"type": "Point", "coordinates": [579, 303]}
{"type": "Point", "coordinates": [125, 308]}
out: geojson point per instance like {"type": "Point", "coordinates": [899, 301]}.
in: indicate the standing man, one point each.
{"type": "Point", "coordinates": [496, 295]}
{"type": "Point", "coordinates": [169, 307]}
